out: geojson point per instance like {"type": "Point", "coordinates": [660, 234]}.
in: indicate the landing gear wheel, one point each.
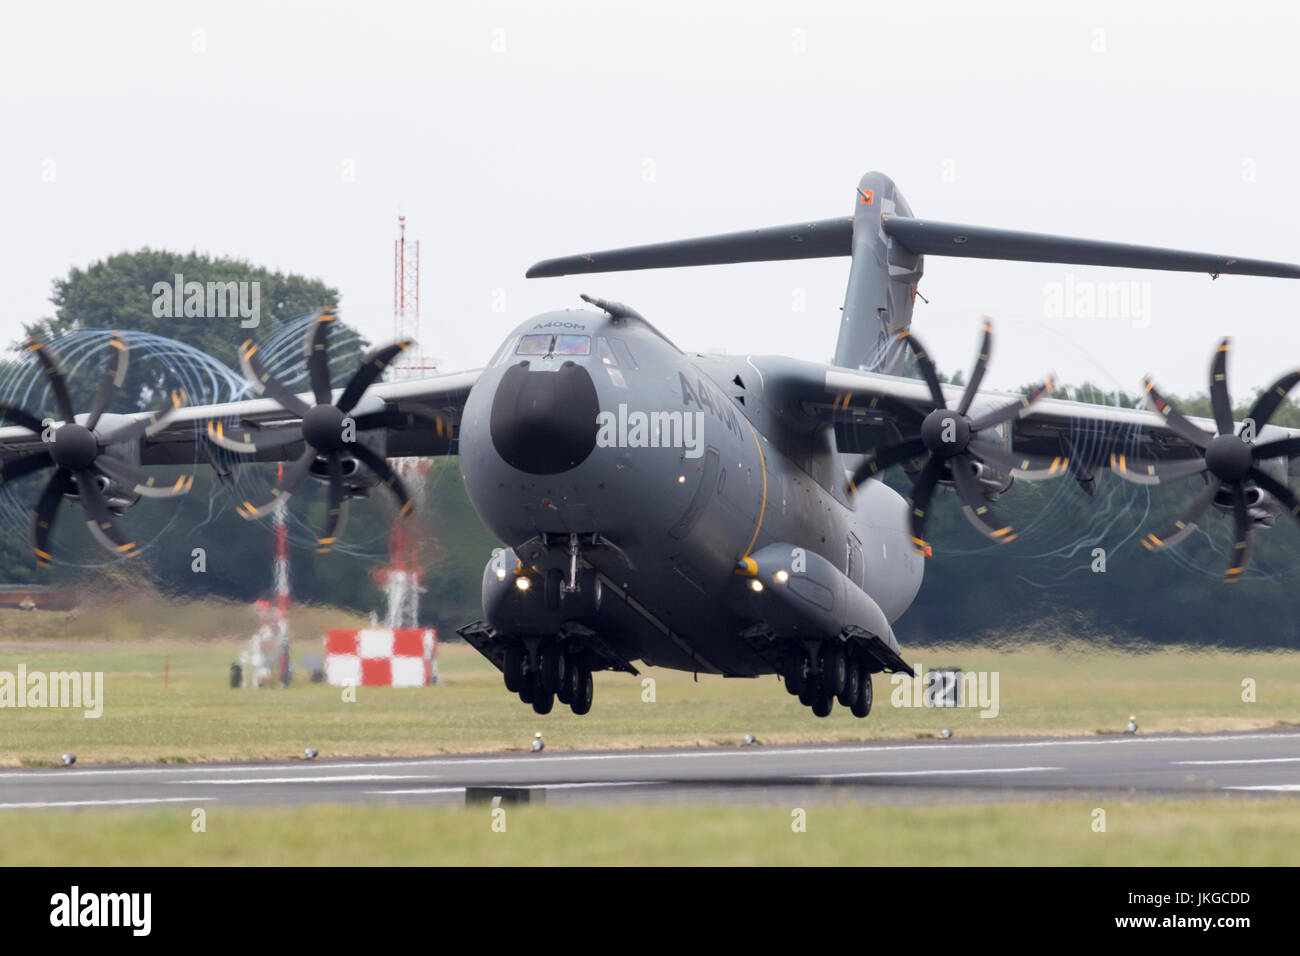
{"type": "Point", "coordinates": [834, 668]}
{"type": "Point", "coordinates": [568, 685]}
{"type": "Point", "coordinates": [513, 668]}
{"type": "Point", "coordinates": [543, 702]}
{"type": "Point", "coordinates": [823, 705]}
{"type": "Point", "coordinates": [862, 702]}
{"type": "Point", "coordinates": [584, 692]}
{"type": "Point", "coordinates": [528, 690]}
{"type": "Point", "coordinates": [810, 690]}
{"type": "Point", "coordinates": [852, 684]}
{"type": "Point", "coordinates": [550, 666]}
{"type": "Point", "coordinates": [795, 669]}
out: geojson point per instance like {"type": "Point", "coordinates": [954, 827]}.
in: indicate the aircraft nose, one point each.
{"type": "Point", "coordinates": [544, 423]}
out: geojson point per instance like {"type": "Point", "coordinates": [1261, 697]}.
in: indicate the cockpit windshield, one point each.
{"type": "Point", "coordinates": [547, 344]}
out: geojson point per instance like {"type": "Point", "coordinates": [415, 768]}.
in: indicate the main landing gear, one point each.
{"type": "Point", "coordinates": [547, 672]}
{"type": "Point", "coordinates": [822, 672]}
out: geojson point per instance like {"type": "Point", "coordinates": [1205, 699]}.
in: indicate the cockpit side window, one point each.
{"type": "Point", "coordinates": [624, 353]}
{"type": "Point", "coordinates": [605, 352]}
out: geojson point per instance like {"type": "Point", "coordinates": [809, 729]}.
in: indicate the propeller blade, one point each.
{"type": "Point", "coordinates": [1219, 397]}
{"type": "Point", "coordinates": [246, 441]}
{"type": "Point", "coordinates": [264, 383]}
{"type": "Point", "coordinates": [149, 486]}
{"type": "Point", "coordinates": [151, 425]}
{"type": "Point", "coordinates": [46, 511]}
{"type": "Point", "coordinates": [338, 510]}
{"type": "Point", "coordinates": [974, 506]}
{"type": "Point", "coordinates": [21, 418]}
{"type": "Point", "coordinates": [1186, 523]}
{"type": "Point", "coordinates": [1014, 409]}
{"type": "Point", "coordinates": [292, 479]}
{"type": "Point", "coordinates": [114, 376]}
{"type": "Point", "coordinates": [1271, 398]}
{"type": "Point", "coordinates": [881, 459]}
{"type": "Point", "coordinates": [372, 366]}
{"type": "Point", "coordinates": [922, 491]}
{"type": "Point", "coordinates": [1177, 423]}
{"type": "Point", "coordinates": [1281, 448]}
{"type": "Point", "coordinates": [58, 384]}
{"type": "Point", "coordinates": [1241, 527]}
{"type": "Point", "coordinates": [977, 373]}
{"type": "Point", "coordinates": [927, 367]}
{"type": "Point", "coordinates": [1278, 490]}
{"type": "Point", "coordinates": [1018, 464]}
{"type": "Point", "coordinates": [386, 474]}
{"type": "Point", "coordinates": [318, 358]}
{"type": "Point", "coordinates": [25, 466]}
{"type": "Point", "coordinates": [100, 520]}
{"type": "Point", "coordinates": [1154, 472]}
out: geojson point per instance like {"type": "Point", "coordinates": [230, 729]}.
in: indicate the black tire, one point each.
{"type": "Point", "coordinates": [585, 692]}
{"type": "Point", "coordinates": [794, 673]}
{"type": "Point", "coordinates": [862, 703]}
{"type": "Point", "coordinates": [550, 666]}
{"type": "Point", "coordinates": [528, 690]}
{"type": "Point", "coordinates": [810, 690]}
{"type": "Point", "coordinates": [568, 693]}
{"type": "Point", "coordinates": [852, 684]}
{"type": "Point", "coordinates": [554, 581]}
{"type": "Point", "coordinates": [823, 705]}
{"type": "Point", "coordinates": [834, 668]}
{"type": "Point", "coordinates": [543, 702]}
{"type": "Point", "coordinates": [513, 668]}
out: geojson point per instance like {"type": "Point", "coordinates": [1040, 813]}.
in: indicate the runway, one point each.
{"type": "Point", "coordinates": [897, 772]}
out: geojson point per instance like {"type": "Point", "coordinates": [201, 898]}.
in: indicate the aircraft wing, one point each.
{"type": "Point", "coordinates": [419, 417]}
{"type": "Point", "coordinates": [870, 410]}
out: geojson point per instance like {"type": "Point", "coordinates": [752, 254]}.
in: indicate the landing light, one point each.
{"type": "Point", "coordinates": [782, 576]}
{"type": "Point", "coordinates": [501, 574]}
{"type": "Point", "coordinates": [681, 479]}
{"type": "Point", "coordinates": [522, 583]}
{"type": "Point", "coordinates": [756, 584]}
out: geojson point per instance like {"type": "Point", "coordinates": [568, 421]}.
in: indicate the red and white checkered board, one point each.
{"type": "Point", "coordinates": [380, 657]}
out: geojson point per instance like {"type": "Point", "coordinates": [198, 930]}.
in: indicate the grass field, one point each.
{"type": "Point", "coordinates": [1153, 833]}
{"type": "Point", "coordinates": [195, 716]}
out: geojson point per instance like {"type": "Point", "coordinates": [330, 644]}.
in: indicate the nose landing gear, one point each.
{"type": "Point", "coordinates": [547, 673]}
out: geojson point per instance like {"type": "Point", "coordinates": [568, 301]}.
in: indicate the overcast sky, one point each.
{"type": "Point", "coordinates": [293, 134]}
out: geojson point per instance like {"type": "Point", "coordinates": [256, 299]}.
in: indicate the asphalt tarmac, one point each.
{"type": "Point", "coordinates": [899, 772]}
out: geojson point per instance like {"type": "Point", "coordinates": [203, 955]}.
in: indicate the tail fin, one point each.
{"type": "Point", "coordinates": [888, 245]}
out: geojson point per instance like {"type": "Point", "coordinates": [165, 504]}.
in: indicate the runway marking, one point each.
{"type": "Point", "coordinates": [926, 773]}
{"type": "Point", "coordinates": [100, 803]}
{"type": "Point", "coordinates": [1280, 787]}
{"type": "Point", "coordinates": [787, 752]}
{"type": "Point", "coordinates": [337, 778]}
{"type": "Point", "coordinates": [1210, 763]}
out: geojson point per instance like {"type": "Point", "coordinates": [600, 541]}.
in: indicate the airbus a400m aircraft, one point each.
{"type": "Point", "coordinates": [715, 514]}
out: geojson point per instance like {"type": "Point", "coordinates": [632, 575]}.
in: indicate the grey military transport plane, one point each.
{"type": "Point", "coordinates": [706, 513]}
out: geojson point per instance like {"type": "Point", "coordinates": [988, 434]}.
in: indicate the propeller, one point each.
{"type": "Point", "coordinates": [77, 453]}
{"type": "Point", "coordinates": [1227, 460]}
{"type": "Point", "coordinates": [326, 427]}
{"type": "Point", "coordinates": [952, 442]}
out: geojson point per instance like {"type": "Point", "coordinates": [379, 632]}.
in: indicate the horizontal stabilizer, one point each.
{"type": "Point", "coordinates": [925, 237]}
{"type": "Point", "coordinates": [803, 240]}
